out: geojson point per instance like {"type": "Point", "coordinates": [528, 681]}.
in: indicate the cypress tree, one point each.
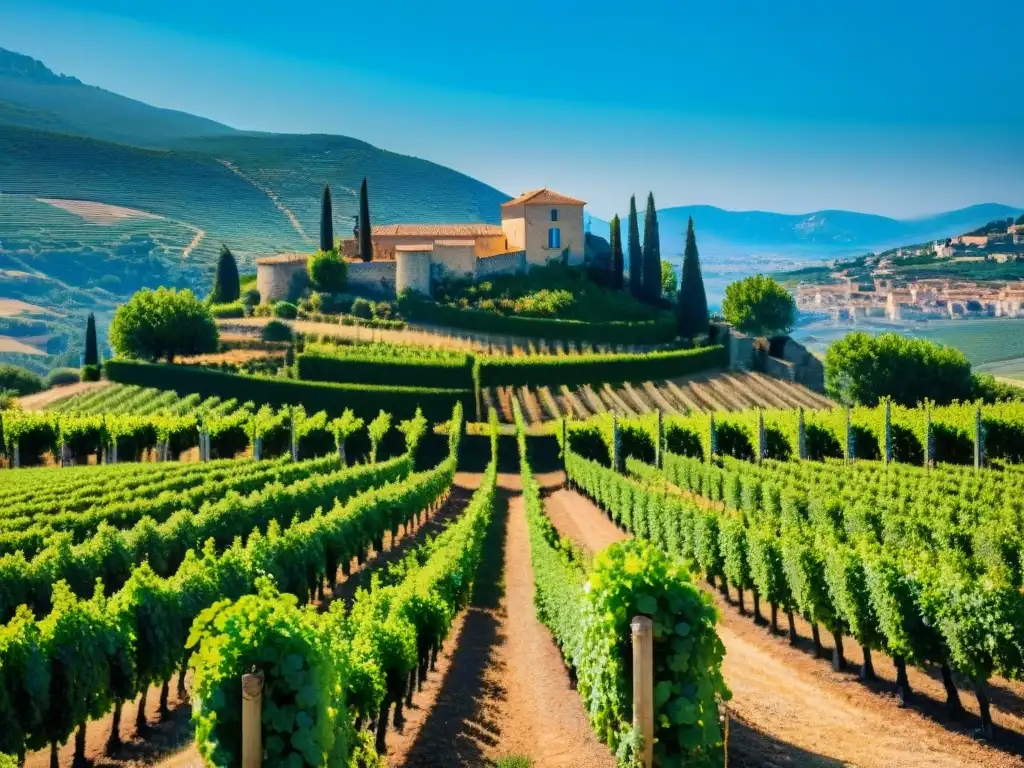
{"type": "Point", "coordinates": [365, 242]}
{"type": "Point", "coordinates": [326, 221]}
{"type": "Point", "coordinates": [615, 236]}
{"type": "Point", "coordinates": [651, 254]}
{"type": "Point", "coordinates": [225, 279]}
{"type": "Point", "coordinates": [92, 355]}
{"type": "Point", "coordinates": [635, 254]}
{"type": "Point", "coordinates": [692, 306]}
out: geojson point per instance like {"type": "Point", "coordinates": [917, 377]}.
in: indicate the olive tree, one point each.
{"type": "Point", "coordinates": [163, 324]}
{"type": "Point", "coordinates": [759, 306]}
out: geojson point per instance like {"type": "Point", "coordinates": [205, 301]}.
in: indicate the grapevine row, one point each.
{"type": "Point", "coordinates": [58, 672]}
{"type": "Point", "coordinates": [827, 561]}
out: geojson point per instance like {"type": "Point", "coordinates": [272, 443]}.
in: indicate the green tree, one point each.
{"type": "Point", "coordinates": [163, 324]}
{"type": "Point", "coordinates": [365, 239]}
{"type": "Point", "coordinates": [651, 256]}
{"type": "Point", "coordinates": [615, 235]}
{"type": "Point", "coordinates": [636, 269]}
{"type": "Point", "coordinates": [92, 356]}
{"type": "Point", "coordinates": [1020, 220]}
{"type": "Point", "coordinates": [327, 272]}
{"type": "Point", "coordinates": [19, 380]}
{"type": "Point", "coordinates": [668, 281]}
{"type": "Point", "coordinates": [226, 286]}
{"type": "Point", "coordinates": [759, 306]}
{"type": "Point", "coordinates": [861, 370]}
{"type": "Point", "coordinates": [326, 221]}
{"type": "Point", "coordinates": [692, 301]}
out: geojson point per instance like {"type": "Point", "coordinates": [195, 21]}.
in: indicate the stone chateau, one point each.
{"type": "Point", "coordinates": [535, 228]}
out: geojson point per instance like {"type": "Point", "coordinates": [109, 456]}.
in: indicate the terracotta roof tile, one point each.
{"type": "Point", "coordinates": [437, 230]}
{"type": "Point", "coordinates": [543, 196]}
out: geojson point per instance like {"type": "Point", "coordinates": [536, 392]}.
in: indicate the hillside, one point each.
{"type": "Point", "coordinates": [33, 96]}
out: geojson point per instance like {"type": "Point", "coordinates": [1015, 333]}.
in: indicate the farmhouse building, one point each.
{"type": "Point", "coordinates": [536, 227]}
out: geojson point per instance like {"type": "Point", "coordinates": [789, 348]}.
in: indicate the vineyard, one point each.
{"type": "Point", "coordinates": [716, 391]}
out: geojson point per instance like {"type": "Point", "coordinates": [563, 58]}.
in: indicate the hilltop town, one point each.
{"type": "Point", "coordinates": [977, 274]}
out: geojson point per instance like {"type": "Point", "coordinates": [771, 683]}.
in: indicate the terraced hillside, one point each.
{"type": "Point", "coordinates": [716, 391]}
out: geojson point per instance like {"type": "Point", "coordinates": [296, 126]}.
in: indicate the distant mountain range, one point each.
{"type": "Point", "coordinates": [154, 192]}
{"type": "Point", "coordinates": [822, 234]}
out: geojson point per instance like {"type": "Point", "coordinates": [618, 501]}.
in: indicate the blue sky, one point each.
{"type": "Point", "coordinates": [900, 107]}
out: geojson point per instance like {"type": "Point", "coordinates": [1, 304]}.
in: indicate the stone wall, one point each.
{"type": "Point", "coordinates": [413, 272]}
{"type": "Point", "coordinates": [807, 369]}
{"type": "Point", "coordinates": [453, 260]}
{"type": "Point", "coordinates": [780, 369]}
{"type": "Point", "coordinates": [273, 280]}
{"type": "Point", "coordinates": [375, 277]}
{"type": "Point", "coordinates": [502, 264]}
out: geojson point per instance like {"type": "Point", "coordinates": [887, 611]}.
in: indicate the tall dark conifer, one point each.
{"type": "Point", "coordinates": [615, 236]}
{"type": "Point", "coordinates": [365, 241]}
{"type": "Point", "coordinates": [651, 254]}
{"type": "Point", "coordinates": [326, 221]}
{"type": "Point", "coordinates": [92, 355]}
{"type": "Point", "coordinates": [226, 286]}
{"type": "Point", "coordinates": [692, 306]}
{"type": "Point", "coordinates": [636, 268]}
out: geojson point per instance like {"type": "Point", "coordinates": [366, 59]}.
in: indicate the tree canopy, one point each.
{"type": "Point", "coordinates": [19, 380]}
{"type": "Point", "coordinates": [692, 302]}
{"type": "Point", "coordinates": [327, 272]}
{"type": "Point", "coordinates": [861, 370]}
{"type": "Point", "coordinates": [1020, 220]}
{"type": "Point", "coordinates": [636, 258]}
{"type": "Point", "coordinates": [759, 306]}
{"type": "Point", "coordinates": [226, 285]}
{"type": "Point", "coordinates": [163, 324]}
{"type": "Point", "coordinates": [651, 256]}
{"type": "Point", "coordinates": [326, 221]}
{"type": "Point", "coordinates": [92, 356]}
{"type": "Point", "coordinates": [615, 237]}
{"type": "Point", "coordinates": [668, 281]}
{"type": "Point", "coordinates": [365, 228]}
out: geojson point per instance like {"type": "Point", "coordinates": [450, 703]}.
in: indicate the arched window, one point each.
{"type": "Point", "coordinates": [554, 214]}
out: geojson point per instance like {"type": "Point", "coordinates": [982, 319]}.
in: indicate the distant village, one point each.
{"type": "Point", "coordinates": [885, 286]}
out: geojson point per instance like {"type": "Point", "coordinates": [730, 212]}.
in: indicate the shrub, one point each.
{"type": "Point", "coordinates": [760, 306]}
{"type": "Point", "coordinates": [659, 330]}
{"type": "Point", "coordinates": [362, 308]}
{"type": "Point", "coordinates": [91, 372]}
{"type": "Point", "coordinates": [19, 380]}
{"type": "Point", "coordinates": [327, 271]}
{"type": "Point", "coordinates": [364, 400]}
{"type": "Point", "coordinates": [298, 286]}
{"type": "Point", "coordinates": [234, 309]}
{"type": "Point", "coordinates": [861, 370]}
{"type": "Point", "coordinates": [251, 297]}
{"type": "Point", "coordinates": [60, 377]}
{"type": "Point", "coordinates": [286, 309]}
{"type": "Point", "coordinates": [164, 324]}
{"type": "Point", "coordinates": [275, 330]}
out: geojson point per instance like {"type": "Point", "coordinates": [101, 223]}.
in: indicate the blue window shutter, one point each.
{"type": "Point", "coordinates": [554, 238]}
{"type": "Point", "coordinates": [554, 214]}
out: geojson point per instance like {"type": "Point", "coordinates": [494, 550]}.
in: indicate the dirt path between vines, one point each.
{"type": "Point", "coordinates": [500, 688]}
{"type": "Point", "coordinates": [41, 400]}
{"type": "Point", "coordinates": [790, 709]}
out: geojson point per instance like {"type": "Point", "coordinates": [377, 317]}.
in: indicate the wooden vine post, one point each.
{"type": "Point", "coordinates": [849, 439]}
{"type": "Point", "coordinates": [292, 441]}
{"type": "Point", "coordinates": [888, 432]}
{"type": "Point", "coordinates": [565, 444]}
{"type": "Point", "coordinates": [762, 439]}
{"type": "Point", "coordinates": [659, 446]}
{"type": "Point", "coordinates": [252, 711]}
{"type": "Point", "coordinates": [801, 435]}
{"type": "Point", "coordinates": [616, 444]}
{"type": "Point", "coordinates": [712, 438]}
{"type": "Point", "coordinates": [929, 438]}
{"type": "Point", "coordinates": [979, 440]}
{"type": "Point", "coordinates": [643, 685]}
